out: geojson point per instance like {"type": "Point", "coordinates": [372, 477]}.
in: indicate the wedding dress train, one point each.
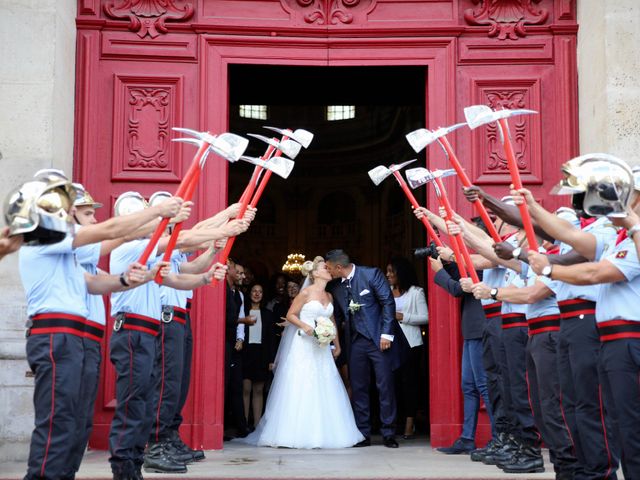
{"type": "Point", "coordinates": [308, 405]}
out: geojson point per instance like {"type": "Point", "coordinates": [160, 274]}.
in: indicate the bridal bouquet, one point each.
{"type": "Point", "coordinates": [324, 331]}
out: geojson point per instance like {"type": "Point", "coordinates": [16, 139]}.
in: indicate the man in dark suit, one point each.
{"type": "Point", "coordinates": [363, 301]}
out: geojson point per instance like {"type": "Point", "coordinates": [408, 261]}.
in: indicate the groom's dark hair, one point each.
{"type": "Point", "coordinates": [338, 257]}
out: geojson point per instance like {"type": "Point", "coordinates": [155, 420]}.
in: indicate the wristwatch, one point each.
{"type": "Point", "coordinates": [633, 230]}
{"type": "Point", "coordinates": [516, 252]}
{"type": "Point", "coordinates": [123, 280]}
{"type": "Point", "coordinates": [546, 271]}
{"type": "Point", "coordinates": [494, 293]}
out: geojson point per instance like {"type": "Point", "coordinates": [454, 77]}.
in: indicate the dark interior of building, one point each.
{"type": "Point", "coordinates": [329, 201]}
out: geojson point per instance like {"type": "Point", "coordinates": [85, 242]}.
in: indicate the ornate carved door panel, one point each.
{"type": "Point", "coordinates": [144, 66]}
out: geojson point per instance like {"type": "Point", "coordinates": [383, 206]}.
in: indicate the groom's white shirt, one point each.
{"type": "Point", "coordinates": [348, 278]}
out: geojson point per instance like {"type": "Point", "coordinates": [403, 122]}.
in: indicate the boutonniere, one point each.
{"type": "Point", "coordinates": [354, 307]}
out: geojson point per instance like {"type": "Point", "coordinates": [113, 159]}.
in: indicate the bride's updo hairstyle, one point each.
{"type": "Point", "coordinates": [309, 267]}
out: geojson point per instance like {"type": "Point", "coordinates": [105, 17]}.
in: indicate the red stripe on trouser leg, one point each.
{"type": "Point", "coordinates": [604, 429]}
{"type": "Point", "coordinates": [566, 426]}
{"type": "Point", "coordinates": [126, 405]}
{"type": "Point", "coordinates": [526, 377]}
{"type": "Point", "coordinates": [53, 403]}
{"type": "Point", "coordinates": [161, 385]}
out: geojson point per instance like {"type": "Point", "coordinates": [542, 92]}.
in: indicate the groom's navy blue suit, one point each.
{"type": "Point", "coordinates": [362, 330]}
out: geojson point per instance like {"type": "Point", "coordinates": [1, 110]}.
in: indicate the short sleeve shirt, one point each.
{"type": "Point", "coordinates": [511, 277]}
{"type": "Point", "coordinates": [619, 300]}
{"type": "Point", "coordinates": [546, 306]}
{"type": "Point", "coordinates": [605, 234]}
{"type": "Point", "coordinates": [172, 296]}
{"type": "Point", "coordinates": [88, 257]}
{"type": "Point", "coordinates": [142, 300]}
{"type": "Point", "coordinates": [494, 278]}
{"type": "Point", "coordinates": [53, 279]}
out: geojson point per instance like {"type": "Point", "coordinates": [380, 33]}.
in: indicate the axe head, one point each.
{"type": "Point", "coordinates": [227, 145]}
{"type": "Point", "coordinates": [417, 177]}
{"type": "Point", "coordinates": [378, 174]}
{"type": "Point", "coordinates": [281, 166]}
{"type": "Point", "coordinates": [419, 139]}
{"type": "Point", "coordinates": [287, 147]}
{"type": "Point", "coordinates": [477, 115]}
{"type": "Point", "coordinates": [303, 137]}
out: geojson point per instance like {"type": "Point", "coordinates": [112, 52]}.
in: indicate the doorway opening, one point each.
{"type": "Point", "coordinates": [329, 201]}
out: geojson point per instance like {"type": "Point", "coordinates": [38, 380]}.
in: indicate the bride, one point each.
{"type": "Point", "coordinates": [308, 406]}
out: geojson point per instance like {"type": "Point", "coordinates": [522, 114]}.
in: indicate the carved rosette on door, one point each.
{"type": "Point", "coordinates": [507, 18]}
{"type": "Point", "coordinates": [334, 12]}
{"type": "Point", "coordinates": [148, 17]}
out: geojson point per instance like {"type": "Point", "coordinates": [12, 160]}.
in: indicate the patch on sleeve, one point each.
{"type": "Point", "coordinates": [621, 254]}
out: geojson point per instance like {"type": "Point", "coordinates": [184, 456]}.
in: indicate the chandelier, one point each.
{"type": "Point", "coordinates": [293, 263]}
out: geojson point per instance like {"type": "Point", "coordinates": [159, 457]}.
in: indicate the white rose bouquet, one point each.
{"type": "Point", "coordinates": [324, 331]}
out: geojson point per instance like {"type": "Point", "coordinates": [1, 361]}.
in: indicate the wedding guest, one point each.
{"type": "Point", "coordinates": [293, 289]}
{"type": "Point", "coordinates": [474, 377]}
{"type": "Point", "coordinates": [279, 303]}
{"type": "Point", "coordinates": [411, 312]}
{"type": "Point", "coordinates": [233, 348]}
{"type": "Point", "coordinates": [257, 353]}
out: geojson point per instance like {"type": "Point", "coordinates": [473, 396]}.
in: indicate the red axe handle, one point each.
{"type": "Point", "coordinates": [517, 184]}
{"type": "Point", "coordinates": [253, 183]}
{"type": "Point", "coordinates": [265, 180]}
{"type": "Point", "coordinates": [186, 181]}
{"type": "Point", "coordinates": [458, 245]}
{"type": "Point", "coordinates": [432, 233]}
{"type": "Point", "coordinates": [224, 255]}
{"type": "Point", "coordinates": [467, 183]}
{"type": "Point", "coordinates": [171, 245]}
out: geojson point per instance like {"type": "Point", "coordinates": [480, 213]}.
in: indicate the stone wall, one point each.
{"type": "Point", "coordinates": [37, 47]}
{"type": "Point", "coordinates": [609, 83]}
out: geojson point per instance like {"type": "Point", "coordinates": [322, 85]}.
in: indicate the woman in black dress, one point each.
{"type": "Point", "coordinates": [258, 352]}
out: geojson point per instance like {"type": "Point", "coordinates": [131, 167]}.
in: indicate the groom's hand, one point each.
{"type": "Point", "coordinates": [385, 344]}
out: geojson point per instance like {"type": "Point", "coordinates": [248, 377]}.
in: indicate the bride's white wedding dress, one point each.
{"type": "Point", "coordinates": [307, 406]}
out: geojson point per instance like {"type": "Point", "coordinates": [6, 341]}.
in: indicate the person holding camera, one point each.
{"type": "Point", "coordinates": [474, 377]}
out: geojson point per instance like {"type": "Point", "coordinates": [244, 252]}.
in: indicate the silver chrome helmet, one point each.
{"type": "Point", "coordinates": [83, 198]}
{"type": "Point", "coordinates": [129, 202]}
{"type": "Point", "coordinates": [39, 209]}
{"type": "Point", "coordinates": [159, 197]}
{"type": "Point", "coordinates": [609, 184]}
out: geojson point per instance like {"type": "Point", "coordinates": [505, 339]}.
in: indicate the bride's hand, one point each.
{"type": "Point", "coordinates": [308, 329]}
{"type": "Point", "coordinates": [336, 351]}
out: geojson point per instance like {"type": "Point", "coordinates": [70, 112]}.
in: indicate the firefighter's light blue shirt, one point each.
{"type": "Point", "coordinates": [53, 279]}
{"type": "Point", "coordinates": [88, 257]}
{"type": "Point", "coordinates": [142, 300]}
{"type": "Point", "coordinates": [621, 300]}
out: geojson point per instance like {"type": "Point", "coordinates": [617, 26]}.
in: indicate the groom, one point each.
{"type": "Point", "coordinates": [364, 304]}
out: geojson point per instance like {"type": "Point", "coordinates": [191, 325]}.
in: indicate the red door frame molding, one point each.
{"type": "Point", "coordinates": [143, 67]}
{"type": "Point", "coordinates": [437, 56]}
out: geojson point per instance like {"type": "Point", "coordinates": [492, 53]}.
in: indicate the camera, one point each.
{"type": "Point", "coordinates": [428, 251]}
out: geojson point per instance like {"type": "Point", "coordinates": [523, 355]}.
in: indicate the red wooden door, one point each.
{"type": "Point", "coordinates": [144, 67]}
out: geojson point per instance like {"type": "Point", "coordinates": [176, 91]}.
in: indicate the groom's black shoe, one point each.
{"type": "Point", "coordinates": [390, 442]}
{"type": "Point", "coordinates": [364, 443]}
